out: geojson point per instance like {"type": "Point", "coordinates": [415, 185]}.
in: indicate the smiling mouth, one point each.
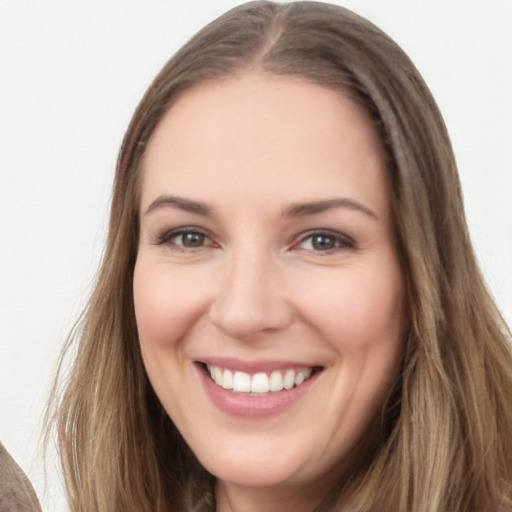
{"type": "Point", "coordinates": [261, 383]}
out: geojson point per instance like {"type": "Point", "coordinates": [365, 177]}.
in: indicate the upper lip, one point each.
{"type": "Point", "coordinates": [255, 366]}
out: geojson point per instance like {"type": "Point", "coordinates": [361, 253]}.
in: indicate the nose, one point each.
{"type": "Point", "coordinates": [250, 299]}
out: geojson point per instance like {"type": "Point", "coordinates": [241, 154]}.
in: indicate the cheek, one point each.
{"type": "Point", "coordinates": [360, 314]}
{"type": "Point", "coordinates": [166, 304]}
{"type": "Point", "coordinates": [167, 307]}
{"type": "Point", "coordinates": [358, 310]}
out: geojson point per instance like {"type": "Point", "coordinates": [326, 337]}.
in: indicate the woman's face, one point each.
{"type": "Point", "coordinates": [268, 292]}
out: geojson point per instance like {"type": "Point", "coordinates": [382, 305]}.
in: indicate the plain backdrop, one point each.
{"type": "Point", "coordinates": [71, 74]}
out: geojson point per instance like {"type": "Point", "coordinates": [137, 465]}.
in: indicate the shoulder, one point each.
{"type": "Point", "coordinates": [16, 491]}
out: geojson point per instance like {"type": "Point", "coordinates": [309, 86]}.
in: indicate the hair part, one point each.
{"type": "Point", "coordinates": [443, 440]}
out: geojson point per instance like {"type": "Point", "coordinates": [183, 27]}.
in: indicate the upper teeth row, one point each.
{"type": "Point", "coordinates": [242, 382]}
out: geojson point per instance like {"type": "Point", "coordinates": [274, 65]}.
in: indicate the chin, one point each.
{"type": "Point", "coordinates": [259, 467]}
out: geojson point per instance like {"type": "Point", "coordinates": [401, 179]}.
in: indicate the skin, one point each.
{"type": "Point", "coordinates": [259, 287]}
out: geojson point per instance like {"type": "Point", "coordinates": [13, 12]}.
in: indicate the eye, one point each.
{"type": "Point", "coordinates": [325, 241]}
{"type": "Point", "coordinates": [189, 239]}
{"type": "Point", "coordinates": [184, 239]}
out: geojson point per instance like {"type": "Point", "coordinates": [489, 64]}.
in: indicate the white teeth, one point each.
{"type": "Point", "coordinates": [259, 383]}
{"type": "Point", "coordinates": [216, 375]}
{"type": "Point", "coordinates": [242, 382]}
{"type": "Point", "coordinates": [299, 379]}
{"type": "Point", "coordinates": [227, 379]}
{"type": "Point", "coordinates": [289, 379]}
{"type": "Point", "coordinates": [276, 381]}
{"type": "Point", "coordinates": [302, 376]}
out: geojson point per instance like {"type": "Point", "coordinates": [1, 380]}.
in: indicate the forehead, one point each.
{"type": "Point", "coordinates": [255, 132]}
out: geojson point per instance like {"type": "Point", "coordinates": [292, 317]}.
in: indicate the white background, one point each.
{"type": "Point", "coordinates": [71, 74]}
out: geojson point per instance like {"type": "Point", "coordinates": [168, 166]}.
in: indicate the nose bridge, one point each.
{"type": "Point", "coordinates": [249, 298]}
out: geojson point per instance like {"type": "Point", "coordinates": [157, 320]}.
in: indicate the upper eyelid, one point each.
{"type": "Point", "coordinates": [167, 235]}
{"type": "Point", "coordinates": [327, 232]}
{"type": "Point", "coordinates": [343, 243]}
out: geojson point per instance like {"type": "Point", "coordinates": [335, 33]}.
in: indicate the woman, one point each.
{"type": "Point", "coordinates": [289, 314]}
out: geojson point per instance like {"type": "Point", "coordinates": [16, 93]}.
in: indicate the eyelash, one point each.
{"type": "Point", "coordinates": [341, 242]}
{"type": "Point", "coordinates": [166, 238]}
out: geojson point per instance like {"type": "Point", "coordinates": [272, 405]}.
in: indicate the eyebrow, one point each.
{"type": "Point", "coordinates": [294, 210]}
{"type": "Point", "coordinates": [180, 203]}
{"type": "Point", "coordinates": [314, 207]}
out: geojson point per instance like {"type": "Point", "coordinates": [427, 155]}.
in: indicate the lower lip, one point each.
{"type": "Point", "coordinates": [253, 407]}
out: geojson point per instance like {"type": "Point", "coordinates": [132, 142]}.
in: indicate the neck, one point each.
{"type": "Point", "coordinates": [234, 498]}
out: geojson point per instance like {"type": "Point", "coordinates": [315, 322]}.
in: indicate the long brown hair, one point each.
{"type": "Point", "coordinates": [445, 439]}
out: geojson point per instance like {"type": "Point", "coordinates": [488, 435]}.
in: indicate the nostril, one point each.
{"type": "Point", "coordinates": [247, 317]}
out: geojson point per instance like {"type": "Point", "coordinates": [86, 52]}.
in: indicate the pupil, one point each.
{"type": "Point", "coordinates": [193, 239]}
{"type": "Point", "coordinates": [323, 243]}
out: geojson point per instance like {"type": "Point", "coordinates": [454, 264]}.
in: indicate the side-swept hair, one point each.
{"type": "Point", "coordinates": [445, 433]}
